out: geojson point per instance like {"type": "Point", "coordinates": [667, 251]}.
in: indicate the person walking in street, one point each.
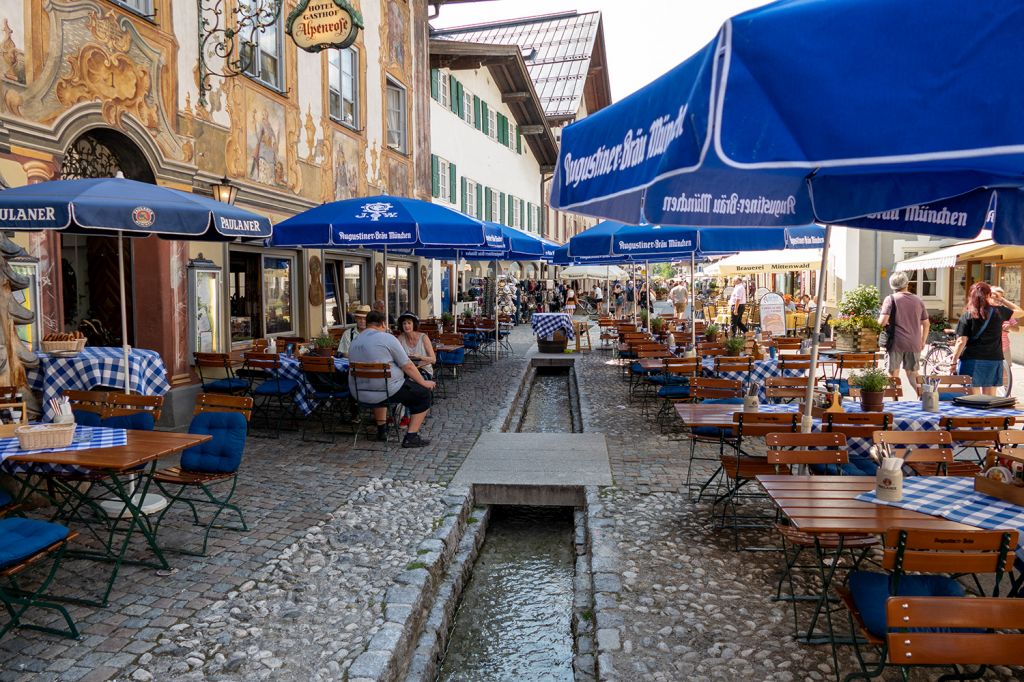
{"type": "Point", "coordinates": [905, 319]}
{"type": "Point", "coordinates": [618, 299]}
{"type": "Point", "coordinates": [406, 385]}
{"type": "Point", "coordinates": [1008, 326]}
{"type": "Point", "coordinates": [679, 296]}
{"type": "Point", "coordinates": [979, 338]}
{"type": "Point", "coordinates": [598, 298]}
{"type": "Point", "coordinates": [570, 301]}
{"type": "Point", "coordinates": [737, 306]}
{"type": "Point", "coordinates": [630, 297]}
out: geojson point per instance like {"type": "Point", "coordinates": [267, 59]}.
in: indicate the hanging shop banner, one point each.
{"type": "Point", "coordinates": [317, 25]}
{"type": "Point", "coordinates": [773, 314]}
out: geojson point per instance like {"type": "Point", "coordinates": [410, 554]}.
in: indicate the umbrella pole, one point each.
{"type": "Point", "coordinates": [124, 316]}
{"type": "Point", "coordinates": [807, 420]}
{"type": "Point", "coordinates": [636, 294]}
{"type": "Point", "coordinates": [455, 297]}
{"type": "Point", "coordinates": [649, 305]}
{"type": "Point", "coordinates": [497, 323]}
{"type": "Point", "coordinates": [387, 303]}
{"type": "Point", "coordinates": [693, 303]}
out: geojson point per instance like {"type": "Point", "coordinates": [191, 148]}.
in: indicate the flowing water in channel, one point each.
{"type": "Point", "coordinates": [514, 619]}
{"type": "Point", "coordinates": [548, 408]}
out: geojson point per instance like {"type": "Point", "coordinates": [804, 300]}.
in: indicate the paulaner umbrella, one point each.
{"type": "Point", "coordinates": [118, 207]}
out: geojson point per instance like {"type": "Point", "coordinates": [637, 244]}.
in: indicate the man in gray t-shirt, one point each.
{"type": "Point", "coordinates": [405, 385]}
{"type": "Point", "coordinates": [911, 327]}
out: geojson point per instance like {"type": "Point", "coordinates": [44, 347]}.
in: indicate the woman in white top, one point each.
{"type": "Point", "coordinates": [570, 301]}
{"type": "Point", "coordinates": [416, 344]}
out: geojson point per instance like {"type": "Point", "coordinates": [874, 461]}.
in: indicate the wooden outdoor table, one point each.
{"type": "Point", "coordinates": [113, 473]}
{"type": "Point", "coordinates": [826, 504]}
{"type": "Point", "coordinates": [700, 414]}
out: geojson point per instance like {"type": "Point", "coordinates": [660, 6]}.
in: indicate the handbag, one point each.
{"type": "Point", "coordinates": [888, 335]}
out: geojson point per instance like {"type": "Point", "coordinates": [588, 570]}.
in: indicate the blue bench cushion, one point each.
{"type": "Point", "coordinates": [277, 387]}
{"type": "Point", "coordinates": [871, 590]}
{"type": "Point", "coordinates": [5, 498]}
{"type": "Point", "coordinates": [223, 453]}
{"type": "Point", "coordinates": [22, 538]}
{"type": "Point", "coordinates": [949, 397]}
{"type": "Point", "coordinates": [452, 357]}
{"type": "Point", "coordinates": [226, 385]}
{"type": "Point", "coordinates": [139, 421]}
{"type": "Point", "coordinates": [674, 391]}
{"type": "Point", "coordinates": [86, 418]}
{"type": "Point", "coordinates": [857, 466]}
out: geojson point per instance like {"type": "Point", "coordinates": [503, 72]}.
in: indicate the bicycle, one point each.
{"type": "Point", "coordinates": [939, 360]}
{"type": "Point", "coordinates": [586, 306]}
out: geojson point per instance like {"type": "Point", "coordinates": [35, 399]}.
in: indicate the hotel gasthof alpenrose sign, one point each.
{"type": "Point", "coordinates": [317, 25]}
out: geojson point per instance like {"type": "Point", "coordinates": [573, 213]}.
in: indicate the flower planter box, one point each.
{"type": "Point", "coordinates": [864, 341]}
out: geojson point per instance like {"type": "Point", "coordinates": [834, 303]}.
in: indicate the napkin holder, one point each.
{"type": "Point", "coordinates": [889, 480]}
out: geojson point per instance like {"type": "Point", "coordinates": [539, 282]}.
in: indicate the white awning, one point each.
{"type": "Point", "coordinates": [943, 258]}
{"type": "Point", "coordinates": [757, 262]}
{"type": "Point", "coordinates": [593, 272]}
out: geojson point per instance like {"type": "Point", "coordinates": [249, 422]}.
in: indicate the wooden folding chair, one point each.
{"type": "Point", "coordinates": [732, 363]}
{"type": "Point", "coordinates": [785, 344]}
{"type": "Point", "coordinates": [703, 389]}
{"type": "Point", "coordinates": [373, 377]}
{"type": "Point", "coordinates": [927, 453]}
{"type": "Point", "coordinates": [844, 362]}
{"type": "Point", "coordinates": [217, 375]}
{"type": "Point", "coordinates": [816, 452]}
{"type": "Point", "coordinates": [866, 595]}
{"type": "Point", "coordinates": [786, 389]}
{"type": "Point", "coordinates": [975, 433]}
{"type": "Point", "coordinates": [794, 362]}
{"type": "Point", "coordinates": [329, 391]}
{"type": "Point", "coordinates": [673, 384]}
{"type": "Point", "coordinates": [949, 385]}
{"type": "Point", "coordinates": [271, 394]}
{"type": "Point", "coordinates": [88, 401]}
{"type": "Point", "coordinates": [209, 464]}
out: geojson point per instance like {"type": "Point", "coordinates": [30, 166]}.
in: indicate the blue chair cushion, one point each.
{"type": "Point", "coordinates": [226, 385]}
{"type": "Point", "coordinates": [22, 538]}
{"type": "Point", "coordinates": [949, 397]}
{"type": "Point", "coordinates": [674, 391]}
{"type": "Point", "coordinates": [277, 387]}
{"type": "Point", "coordinates": [870, 591]}
{"type": "Point", "coordinates": [452, 357]}
{"type": "Point", "coordinates": [139, 421]}
{"type": "Point", "coordinates": [223, 453]}
{"type": "Point", "coordinates": [5, 498]}
{"type": "Point", "coordinates": [86, 418]}
{"type": "Point", "coordinates": [857, 466]}
{"type": "Point", "coordinates": [668, 379]}
{"type": "Point", "coordinates": [714, 431]}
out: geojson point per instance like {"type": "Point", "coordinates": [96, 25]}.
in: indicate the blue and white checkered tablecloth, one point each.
{"type": "Point", "coordinates": [97, 366]}
{"type": "Point", "coordinates": [290, 369]}
{"type": "Point", "coordinates": [760, 372]}
{"type": "Point", "coordinates": [954, 498]}
{"type": "Point", "coordinates": [546, 324]}
{"type": "Point", "coordinates": [907, 415]}
{"type": "Point", "coordinates": [85, 438]}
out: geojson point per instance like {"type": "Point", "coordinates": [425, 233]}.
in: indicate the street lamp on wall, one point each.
{"type": "Point", "coordinates": [224, 191]}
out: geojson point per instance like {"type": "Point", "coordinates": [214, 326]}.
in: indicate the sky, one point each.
{"type": "Point", "coordinates": [643, 38]}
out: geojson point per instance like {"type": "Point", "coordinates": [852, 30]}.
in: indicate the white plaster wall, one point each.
{"type": "Point", "coordinates": [374, 123]}
{"type": "Point", "coordinates": [185, 23]}
{"type": "Point", "coordinates": [475, 155]}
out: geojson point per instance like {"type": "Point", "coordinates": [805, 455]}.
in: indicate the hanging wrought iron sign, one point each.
{"type": "Point", "coordinates": [316, 25]}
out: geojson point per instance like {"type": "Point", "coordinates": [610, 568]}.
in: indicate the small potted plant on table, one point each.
{"type": "Point", "coordinates": [872, 383]}
{"type": "Point", "coordinates": [734, 346]}
{"type": "Point", "coordinates": [324, 345]}
{"type": "Point", "coordinates": [711, 332]}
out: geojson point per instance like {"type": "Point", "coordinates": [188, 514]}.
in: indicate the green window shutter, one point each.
{"type": "Point", "coordinates": [453, 92]}
{"type": "Point", "coordinates": [519, 142]}
{"type": "Point", "coordinates": [522, 210]}
{"type": "Point", "coordinates": [435, 179]}
{"type": "Point", "coordinates": [501, 127]}
{"type": "Point", "coordinates": [463, 195]}
{"type": "Point", "coordinates": [511, 209]}
{"type": "Point", "coordinates": [483, 117]}
{"type": "Point", "coordinates": [479, 201]}
{"type": "Point", "coordinates": [529, 215]}
{"type": "Point", "coordinates": [488, 204]}
{"type": "Point", "coordinates": [435, 78]}
{"type": "Point", "coordinates": [476, 112]}
{"type": "Point", "coordinates": [451, 182]}
{"type": "Point", "coordinates": [501, 208]}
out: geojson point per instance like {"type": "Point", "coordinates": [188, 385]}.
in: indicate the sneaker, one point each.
{"type": "Point", "coordinates": [382, 433]}
{"type": "Point", "coordinates": [404, 422]}
{"type": "Point", "coordinates": [413, 440]}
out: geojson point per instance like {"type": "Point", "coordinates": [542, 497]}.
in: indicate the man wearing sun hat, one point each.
{"type": "Point", "coordinates": [345, 342]}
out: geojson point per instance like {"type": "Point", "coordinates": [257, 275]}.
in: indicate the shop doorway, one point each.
{"type": "Point", "coordinates": [344, 289]}
{"type": "Point", "coordinates": [400, 277]}
{"type": "Point", "coordinates": [89, 264]}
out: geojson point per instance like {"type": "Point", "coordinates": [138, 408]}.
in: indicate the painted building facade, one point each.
{"type": "Point", "coordinates": [89, 88]}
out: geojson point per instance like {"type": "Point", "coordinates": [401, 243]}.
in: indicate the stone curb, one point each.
{"type": "Point", "coordinates": [434, 639]}
{"type": "Point", "coordinates": [584, 660]}
{"type": "Point", "coordinates": [607, 587]}
{"type": "Point", "coordinates": [408, 601]}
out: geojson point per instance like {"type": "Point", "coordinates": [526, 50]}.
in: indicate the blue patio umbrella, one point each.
{"type": "Point", "coordinates": [382, 222]}
{"type": "Point", "coordinates": [118, 207]}
{"type": "Point", "coordinates": [812, 109]}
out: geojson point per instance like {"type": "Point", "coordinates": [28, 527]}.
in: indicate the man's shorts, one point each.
{"type": "Point", "coordinates": [907, 360]}
{"type": "Point", "coordinates": [413, 396]}
{"type": "Point", "coordinates": [680, 307]}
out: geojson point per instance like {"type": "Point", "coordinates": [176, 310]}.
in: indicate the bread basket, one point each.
{"type": "Point", "coordinates": [59, 346]}
{"type": "Point", "coordinates": [44, 436]}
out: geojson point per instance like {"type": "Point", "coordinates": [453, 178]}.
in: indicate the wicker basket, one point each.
{"type": "Point", "coordinates": [45, 436]}
{"type": "Point", "coordinates": [57, 346]}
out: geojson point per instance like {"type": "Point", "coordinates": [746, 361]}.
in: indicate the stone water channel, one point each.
{"type": "Point", "coordinates": [514, 619]}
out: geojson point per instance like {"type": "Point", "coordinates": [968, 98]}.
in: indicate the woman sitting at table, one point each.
{"type": "Point", "coordinates": [979, 337]}
{"type": "Point", "coordinates": [416, 344]}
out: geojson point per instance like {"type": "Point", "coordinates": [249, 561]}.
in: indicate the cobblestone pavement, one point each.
{"type": "Point", "coordinates": [674, 600]}
{"type": "Point", "coordinates": [286, 488]}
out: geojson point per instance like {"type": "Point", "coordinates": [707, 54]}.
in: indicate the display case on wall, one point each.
{"type": "Point", "coordinates": [29, 298]}
{"type": "Point", "coordinates": [205, 313]}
